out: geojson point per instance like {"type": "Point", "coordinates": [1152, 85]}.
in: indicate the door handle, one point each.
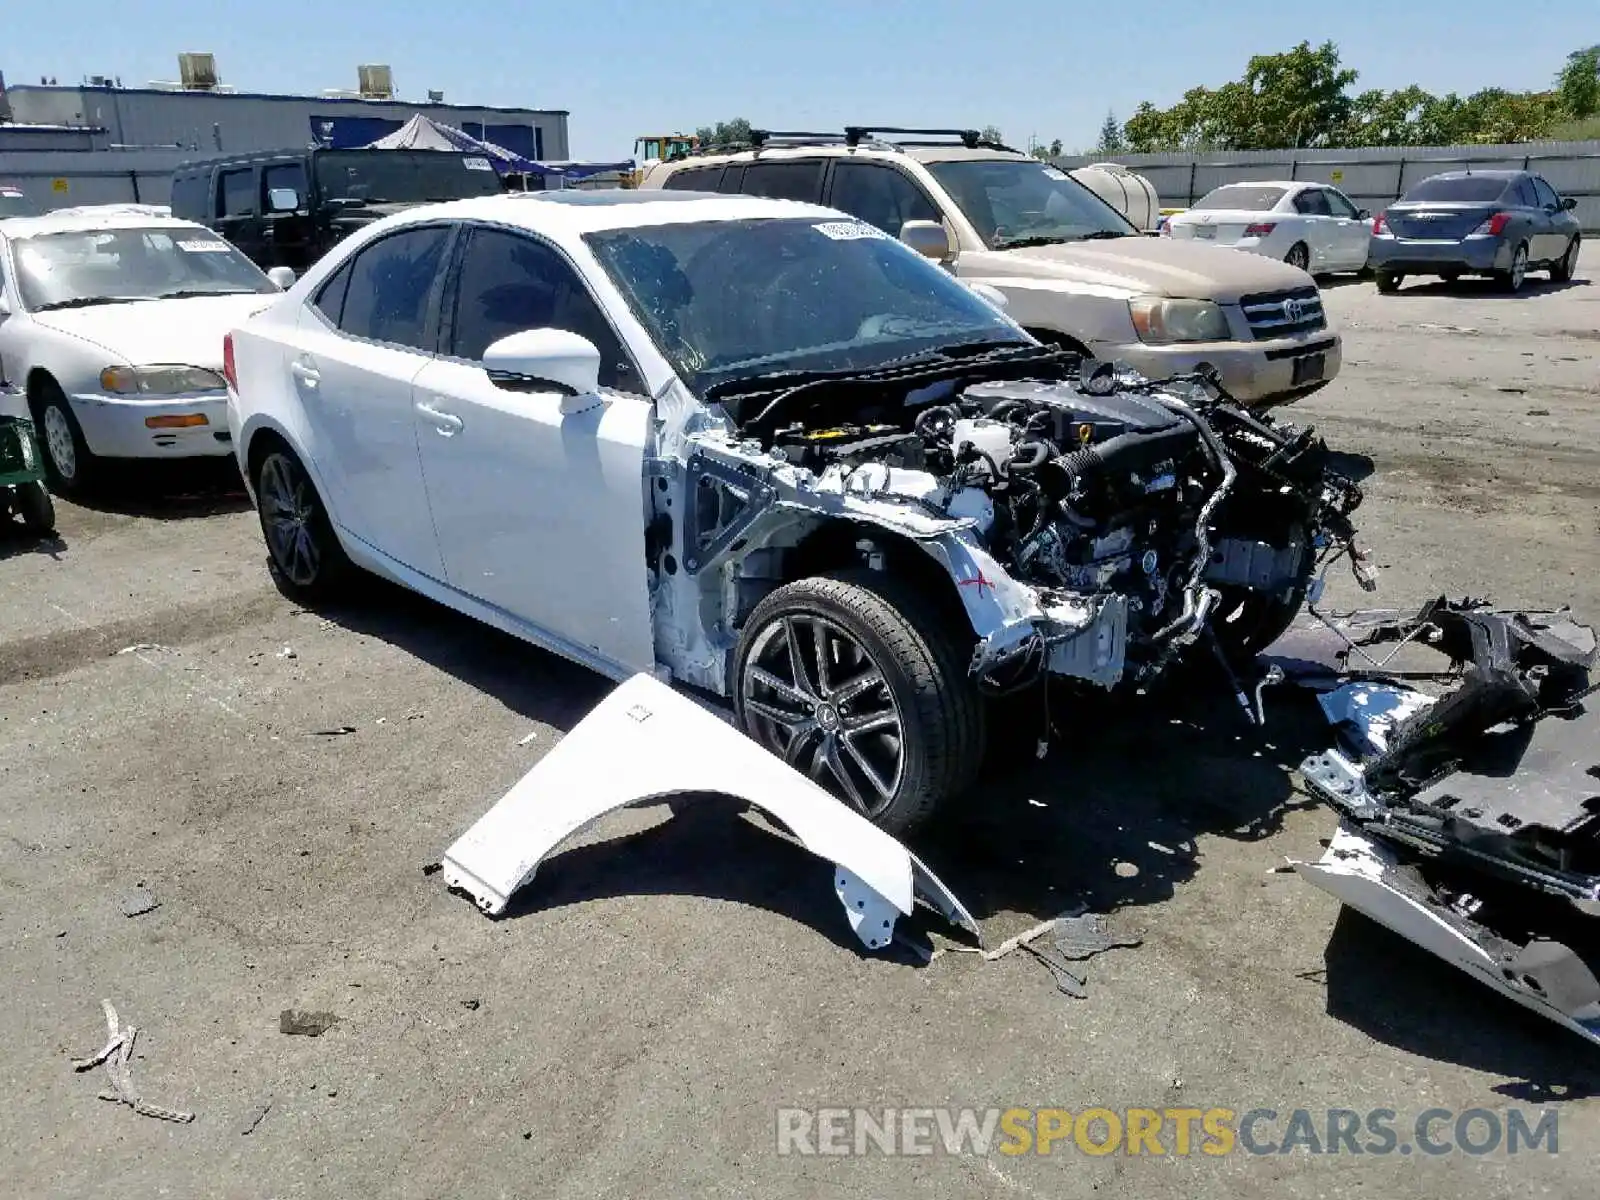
{"type": "Point", "coordinates": [307, 374]}
{"type": "Point", "coordinates": [447, 424]}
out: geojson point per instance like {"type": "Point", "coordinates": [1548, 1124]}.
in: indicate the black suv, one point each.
{"type": "Point", "coordinates": [286, 208]}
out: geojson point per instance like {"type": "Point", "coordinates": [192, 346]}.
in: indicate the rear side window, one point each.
{"type": "Point", "coordinates": [1313, 202]}
{"type": "Point", "coordinates": [236, 193]}
{"type": "Point", "coordinates": [391, 281]}
{"type": "Point", "coordinates": [694, 179]}
{"type": "Point", "coordinates": [189, 196]}
{"type": "Point", "coordinates": [881, 196]}
{"type": "Point", "coordinates": [784, 180]}
{"type": "Point", "coordinates": [1461, 189]}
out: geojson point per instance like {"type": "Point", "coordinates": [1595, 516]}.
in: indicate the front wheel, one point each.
{"type": "Point", "coordinates": [1388, 282]}
{"type": "Point", "coordinates": [68, 461]}
{"type": "Point", "coordinates": [1247, 621]}
{"type": "Point", "coordinates": [1562, 270]}
{"type": "Point", "coordinates": [307, 559]}
{"type": "Point", "coordinates": [1511, 281]}
{"type": "Point", "coordinates": [853, 679]}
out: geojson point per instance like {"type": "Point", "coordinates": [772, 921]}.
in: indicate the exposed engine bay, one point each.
{"type": "Point", "coordinates": [1111, 522]}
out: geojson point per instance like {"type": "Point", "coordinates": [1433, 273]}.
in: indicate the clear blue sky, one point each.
{"type": "Point", "coordinates": [1046, 68]}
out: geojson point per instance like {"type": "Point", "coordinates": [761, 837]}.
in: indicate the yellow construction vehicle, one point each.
{"type": "Point", "coordinates": [653, 148]}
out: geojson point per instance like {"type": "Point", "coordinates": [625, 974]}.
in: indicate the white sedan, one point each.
{"type": "Point", "coordinates": [112, 322]}
{"type": "Point", "coordinates": [763, 449]}
{"type": "Point", "coordinates": [1308, 225]}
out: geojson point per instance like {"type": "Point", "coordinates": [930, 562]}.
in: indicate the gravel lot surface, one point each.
{"type": "Point", "coordinates": [666, 985]}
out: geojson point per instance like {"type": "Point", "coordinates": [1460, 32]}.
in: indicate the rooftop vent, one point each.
{"type": "Point", "coordinates": [197, 71]}
{"type": "Point", "coordinates": [375, 81]}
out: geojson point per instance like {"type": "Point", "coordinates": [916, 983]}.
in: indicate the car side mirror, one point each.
{"type": "Point", "coordinates": [990, 293]}
{"type": "Point", "coordinates": [546, 360]}
{"type": "Point", "coordinates": [929, 239]}
{"type": "Point", "coordinates": [1568, 203]}
{"type": "Point", "coordinates": [1363, 214]}
{"type": "Point", "coordinates": [282, 200]}
{"type": "Point", "coordinates": [282, 276]}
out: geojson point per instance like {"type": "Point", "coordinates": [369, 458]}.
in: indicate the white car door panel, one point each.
{"type": "Point", "coordinates": [537, 513]}
{"type": "Point", "coordinates": [1353, 233]}
{"type": "Point", "coordinates": [356, 392]}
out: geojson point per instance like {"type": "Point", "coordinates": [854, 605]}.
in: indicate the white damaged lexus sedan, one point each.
{"type": "Point", "coordinates": [763, 449]}
{"type": "Point", "coordinates": [112, 322]}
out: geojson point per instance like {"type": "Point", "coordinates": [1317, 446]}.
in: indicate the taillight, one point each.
{"type": "Point", "coordinates": [1261, 229]}
{"type": "Point", "coordinates": [229, 372]}
{"type": "Point", "coordinates": [1495, 225]}
{"type": "Point", "coordinates": [1378, 224]}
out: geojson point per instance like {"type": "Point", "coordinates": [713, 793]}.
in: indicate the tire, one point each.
{"type": "Point", "coordinates": [874, 626]}
{"type": "Point", "coordinates": [307, 560]}
{"type": "Point", "coordinates": [1512, 280]}
{"type": "Point", "coordinates": [1388, 282]}
{"type": "Point", "coordinates": [1262, 620]}
{"type": "Point", "coordinates": [1299, 256]}
{"type": "Point", "coordinates": [1562, 270]}
{"type": "Point", "coordinates": [37, 509]}
{"type": "Point", "coordinates": [71, 467]}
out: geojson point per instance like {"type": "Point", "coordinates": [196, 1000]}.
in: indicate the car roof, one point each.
{"type": "Point", "coordinates": [1497, 174]}
{"type": "Point", "coordinates": [19, 227]}
{"type": "Point", "coordinates": [580, 211]}
{"type": "Point", "coordinates": [874, 151]}
{"type": "Point", "coordinates": [1288, 185]}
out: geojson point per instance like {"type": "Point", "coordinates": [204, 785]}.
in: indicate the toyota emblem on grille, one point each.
{"type": "Point", "coordinates": [1293, 310]}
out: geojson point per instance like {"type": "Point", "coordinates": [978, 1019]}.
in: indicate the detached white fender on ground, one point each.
{"type": "Point", "coordinates": [1362, 873]}
{"type": "Point", "coordinates": [643, 743]}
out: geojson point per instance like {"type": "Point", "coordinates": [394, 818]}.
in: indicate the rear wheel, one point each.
{"type": "Point", "coordinates": [1512, 280]}
{"type": "Point", "coordinates": [1389, 282]}
{"type": "Point", "coordinates": [1299, 256]}
{"type": "Point", "coordinates": [68, 461]}
{"type": "Point", "coordinates": [1562, 270]}
{"type": "Point", "coordinates": [853, 679]}
{"type": "Point", "coordinates": [37, 510]}
{"type": "Point", "coordinates": [307, 559]}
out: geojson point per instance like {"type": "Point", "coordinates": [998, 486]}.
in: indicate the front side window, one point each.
{"type": "Point", "coordinates": [510, 283]}
{"type": "Point", "coordinates": [1241, 197]}
{"type": "Point", "coordinates": [732, 300]}
{"type": "Point", "coordinates": [109, 266]}
{"type": "Point", "coordinates": [880, 196]}
{"type": "Point", "coordinates": [1340, 204]}
{"type": "Point", "coordinates": [1457, 189]}
{"type": "Point", "coordinates": [403, 176]}
{"type": "Point", "coordinates": [1015, 202]}
{"type": "Point", "coordinates": [1546, 193]}
{"type": "Point", "coordinates": [291, 175]}
{"type": "Point", "coordinates": [391, 281]}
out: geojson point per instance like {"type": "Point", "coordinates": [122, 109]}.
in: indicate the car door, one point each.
{"type": "Point", "coordinates": [539, 513]}
{"type": "Point", "coordinates": [371, 330]}
{"type": "Point", "coordinates": [1563, 225]}
{"type": "Point", "coordinates": [1533, 223]}
{"type": "Point", "coordinates": [1352, 235]}
{"type": "Point", "coordinates": [878, 194]}
{"type": "Point", "coordinates": [1311, 205]}
{"type": "Point", "coordinates": [286, 232]}
{"type": "Point", "coordinates": [238, 211]}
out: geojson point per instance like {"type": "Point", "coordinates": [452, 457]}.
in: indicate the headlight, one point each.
{"type": "Point", "coordinates": [1159, 321]}
{"type": "Point", "coordinates": [160, 381]}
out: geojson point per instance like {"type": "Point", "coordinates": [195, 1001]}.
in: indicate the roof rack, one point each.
{"type": "Point", "coordinates": [855, 136]}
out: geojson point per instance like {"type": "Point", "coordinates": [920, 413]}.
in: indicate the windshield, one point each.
{"type": "Point", "coordinates": [1012, 202]}
{"type": "Point", "coordinates": [103, 266]}
{"type": "Point", "coordinates": [15, 204]}
{"type": "Point", "coordinates": [1242, 197]}
{"type": "Point", "coordinates": [730, 300]}
{"type": "Point", "coordinates": [404, 176]}
{"type": "Point", "coordinates": [1463, 188]}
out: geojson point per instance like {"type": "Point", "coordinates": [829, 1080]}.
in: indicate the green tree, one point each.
{"type": "Point", "coordinates": [1578, 84]}
{"type": "Point", "coordinates": [1111, 139]}
{"type": "Point", "coordinates": [734, 132]}
{"type": "Point", "coordinates": [991, 133]}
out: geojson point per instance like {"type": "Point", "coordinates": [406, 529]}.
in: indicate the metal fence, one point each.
{"type": "Point", "coordinates": [1371, 176]}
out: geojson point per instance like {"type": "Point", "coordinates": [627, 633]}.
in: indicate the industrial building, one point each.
{"type": "Point", "coordinates": [101, 141]}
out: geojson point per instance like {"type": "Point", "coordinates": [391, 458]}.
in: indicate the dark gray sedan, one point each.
{"type": "Point", "coordinates": [1497, 223]}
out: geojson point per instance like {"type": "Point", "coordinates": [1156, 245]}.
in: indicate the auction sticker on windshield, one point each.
{"type": "Point", "coordinates": [203, 246]}
{"type": "Point", "coordinates": [476, 164]}
{"type": "Point", "coordinates": [849, 231]}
